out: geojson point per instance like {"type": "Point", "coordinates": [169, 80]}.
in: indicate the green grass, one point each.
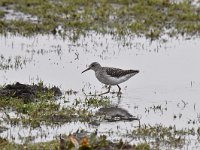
{"type": "Point", "coordinates": [2, 13]}
{"type": "Point", "coordinates": [150, 18]}
{"type": "Point", "coordinates": [6, 145]}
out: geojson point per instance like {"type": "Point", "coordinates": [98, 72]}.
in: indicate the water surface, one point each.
{"type": "Point", "coordinates": [166, 91]}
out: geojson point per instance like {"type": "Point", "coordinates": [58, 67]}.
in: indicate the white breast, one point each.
{"type": "Point", "coordinates": [108, 80]}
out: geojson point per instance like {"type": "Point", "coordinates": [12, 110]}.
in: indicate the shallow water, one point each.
{"type": "Point", "coordinates": [169, 77]}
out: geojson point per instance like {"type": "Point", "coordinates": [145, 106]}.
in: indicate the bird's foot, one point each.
{"type": "Point", "coordinates": [119, 93]}
{"type": "Point", "coordinates": [95, 94]}
{"type": "Point", "coordinates": [103, 93]}
{"type": "Point", "coordinates": [90, 94]}
{"type": "Point", "coordinates": [106, 92]}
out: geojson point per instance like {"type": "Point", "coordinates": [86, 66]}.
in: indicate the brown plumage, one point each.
{"type": "Point", "coordinates": [117, 73]}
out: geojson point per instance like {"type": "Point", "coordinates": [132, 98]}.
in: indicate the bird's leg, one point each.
{"type": "Point", "coordinates": [119, 88]}
{"type": "Point", "coordinates": [119, 92]}
{"type": "Point", "coordinates": [106, 92]}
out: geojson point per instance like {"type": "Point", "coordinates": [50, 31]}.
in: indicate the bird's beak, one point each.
{"type": "Point", "coordinates": [86, 70]}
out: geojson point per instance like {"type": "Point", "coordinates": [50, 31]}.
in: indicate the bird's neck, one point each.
{"type": "Point", "coordinates": [97, 68]}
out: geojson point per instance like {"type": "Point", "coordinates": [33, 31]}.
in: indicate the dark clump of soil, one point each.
{"type": "Point", "coordinates": [27, 93]}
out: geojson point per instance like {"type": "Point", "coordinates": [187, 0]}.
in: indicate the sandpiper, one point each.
{"type": "Point", "coordinates": [111, 76]}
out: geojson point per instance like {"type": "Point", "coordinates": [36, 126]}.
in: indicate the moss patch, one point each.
{"type": "Point", "coordinates": [36, 105]}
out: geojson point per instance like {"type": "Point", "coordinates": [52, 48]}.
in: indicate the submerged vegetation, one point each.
{"type": "Point", "coordinates": [151, 18]}
{"type": "Point", "coordinates": [157, 137]}
{"type": "Point", "coordinates": [168, 137]}
{"type": "Point", "coordinates": [44, 109]}
{"type": "Point", "coordinates": [13, 63]}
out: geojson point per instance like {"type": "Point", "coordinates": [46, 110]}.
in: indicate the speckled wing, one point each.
{"type": "Point", "coordinates": [117, 73]}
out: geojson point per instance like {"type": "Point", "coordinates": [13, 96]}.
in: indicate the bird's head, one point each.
{"type": "Point", "coordinates": [93, 66]}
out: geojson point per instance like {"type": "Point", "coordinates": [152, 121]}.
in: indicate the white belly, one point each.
{"type": "Point", "coordinates": [108, 80]}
